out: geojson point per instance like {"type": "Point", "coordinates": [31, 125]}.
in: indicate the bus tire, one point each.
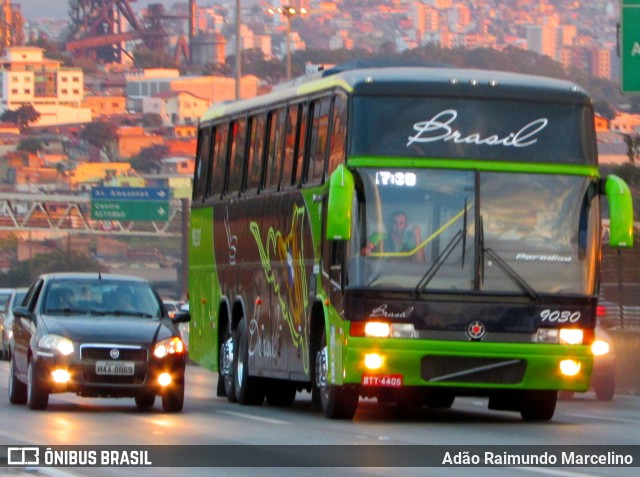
{"type": "Point", "coordinates": [226, 363]}
{"type": "Point", "coordinates": [249, 389]}
{"type": "Point", "coordinates": [538, 405]}
{"type": "Point", "coordinates": [280, 393]}
{"type": "Point", "coordinates": [337, 402]}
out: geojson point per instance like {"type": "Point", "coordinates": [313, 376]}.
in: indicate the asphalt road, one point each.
{"type": "Point", "coordinates": [206, 420]}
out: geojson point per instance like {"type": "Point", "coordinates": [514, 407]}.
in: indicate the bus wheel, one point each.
{"type": "Point", "coordinates": [226, 367]}
{"type": "Point", "coordinates": [538, 405]}
{"type": "Point", "coordinates": [249, 389]}
{"type": "Point", "coordinates": [337, 402]}
{"type": "Point", "coordinates": [280, 393]}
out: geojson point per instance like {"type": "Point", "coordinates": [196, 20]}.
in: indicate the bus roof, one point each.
{"type": "Point", "coordinates": [418, 81]}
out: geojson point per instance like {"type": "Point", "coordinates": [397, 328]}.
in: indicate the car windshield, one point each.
{"type": "Point", "coordinates": [427, 230]}
{"type": "Point", "coordinates": [4, 299]}
{"type": "Point", "coordinates": [101, 297]}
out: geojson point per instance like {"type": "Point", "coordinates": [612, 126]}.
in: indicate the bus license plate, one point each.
{"type": "Point", "coordinates": [115, 368]}
{"type": "Point", "coordinates": [382, 380]}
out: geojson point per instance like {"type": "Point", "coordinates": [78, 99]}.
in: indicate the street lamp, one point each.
{"type": "Point", "coordinates": [288, 12]}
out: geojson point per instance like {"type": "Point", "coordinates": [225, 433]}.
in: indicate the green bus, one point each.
{"type": "Point", "coordinates": [409, 234]}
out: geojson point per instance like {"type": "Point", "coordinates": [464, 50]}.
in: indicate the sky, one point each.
{"type": "Point", "coordinates": [58, 9]}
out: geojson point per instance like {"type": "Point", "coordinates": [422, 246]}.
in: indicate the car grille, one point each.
{"type": "Point", "coordinates": [126, 354]}
{"type": "Point", "coordinates": [462, 369]}
{"type": "Point", "coordinates": [89, 354]}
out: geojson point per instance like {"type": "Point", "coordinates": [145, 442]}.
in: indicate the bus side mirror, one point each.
{"type": "Point", "coordinates": [620, 212]}
{"type": "Point", "coordinates": [339, 206]}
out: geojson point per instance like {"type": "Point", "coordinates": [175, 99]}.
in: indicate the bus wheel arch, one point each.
{"type": "Point", "coordinates": [318, 325]}
{"type": "Point", "coordinates": [336, 401]}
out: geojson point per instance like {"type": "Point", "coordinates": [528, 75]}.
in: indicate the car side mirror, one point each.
{"type": "Point", "coordinates": [181, 317]}
{"type": "Point", "coordinates": [22, 312]}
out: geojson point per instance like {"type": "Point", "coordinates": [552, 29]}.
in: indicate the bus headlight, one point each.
{"type": "Point", "coordinates": [381, 329]}
{"type": "Point", "coordinates": [571, 336]}
{"type": "Point", "coordinates": [377, 329]}
{"type": "Point", "coordinates": [566, 336]}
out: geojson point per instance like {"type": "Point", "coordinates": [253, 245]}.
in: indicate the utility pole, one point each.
{"type": "Point", "coordinates": [238, 51]}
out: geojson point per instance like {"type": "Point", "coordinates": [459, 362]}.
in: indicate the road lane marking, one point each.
{"type": "Point", "coordinates": [255, 418]}
{"type": "Point", "coordinates": [600, 418]}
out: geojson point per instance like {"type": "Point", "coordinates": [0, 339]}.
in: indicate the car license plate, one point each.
{"type": "Point", "coordinates": [115, 368]}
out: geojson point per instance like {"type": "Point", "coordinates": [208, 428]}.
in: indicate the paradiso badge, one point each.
{"type": "Point", "coordinates": [476, 330]}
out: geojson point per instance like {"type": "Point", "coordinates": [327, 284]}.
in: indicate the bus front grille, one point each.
{"type": "Point", "coordinates": [463, 369]}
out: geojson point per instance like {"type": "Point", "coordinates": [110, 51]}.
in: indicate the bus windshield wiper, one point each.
{"type": "Point", "coordinates": [460, 236]}
{"type": "Point", "coordinates": [511, 273]}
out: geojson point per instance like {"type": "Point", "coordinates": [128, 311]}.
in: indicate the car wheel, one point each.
{"type": "Point", "coordinates": [280, 393]}
{"type": "Point", "coordinates": [565, 395]}
{"type": "Point", "coordinates": [337, 402]}
{"type": "Point", "coordinates": [173, 399]}
{"type": "Point", "coordinates": [145, 401]}
{"type": "Point", "coordinates": [605, 389]}
{"type": "Point", "coordinates": [249, 389]}
{"type": "Point", "coordinates": [538, 405]}
{"type": "Point", "coordinates": [226, 361]}
{"type": "Point", "coordinates": [37, 396]}
{"type": "Point", "coordinates": [17, 389]}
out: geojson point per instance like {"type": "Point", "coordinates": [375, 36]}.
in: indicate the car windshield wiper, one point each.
{"type": "Point", "coordinates": [511, 273]}
{"type": "Point", "coordinates": [460, 236]}
{"type": "Point", "coordinates": [77, 311]}
{"type": "Point", "coordinates": [129, 313]}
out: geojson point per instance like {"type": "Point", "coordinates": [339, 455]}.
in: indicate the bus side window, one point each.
{"type": "Point", "coordinates": [237, 156]}
{"type": "Point", "coordinates": [274, 149]}
{"type": "Point", "coordinates": [219, 160]}
{"type": "Point", "coordinates": [288, 173]}
{"type": "Point", "coordinates": [338, 133]}
{"type": "Point", "coordinates": [318, 141]}
{"type": "Point", "coordinates": [256, 146]}
{"type": "Point", "coordinates": [301, 149]}
{"type": "Point", "coordinates": [203, 162]}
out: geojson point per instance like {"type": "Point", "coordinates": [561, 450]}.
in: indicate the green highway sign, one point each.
{"type": "Point", "coordinates": [630, 46]}
{"type": "Point", "coordinates": [130, 203]}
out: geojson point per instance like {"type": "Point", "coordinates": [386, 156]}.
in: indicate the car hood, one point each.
{"type": "Point", "coordinates": [107, 329]}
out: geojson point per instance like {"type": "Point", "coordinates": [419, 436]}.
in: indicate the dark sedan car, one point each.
{"type": "Point", "coordinates": [97, 336]}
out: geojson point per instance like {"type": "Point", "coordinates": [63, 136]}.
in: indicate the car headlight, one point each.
{"type": "Point", "coordinates": [169, 346]}
{"type": "Point", "coordinates": [57, 343]}
{"type": "Point", "coordinates": [600, 347]}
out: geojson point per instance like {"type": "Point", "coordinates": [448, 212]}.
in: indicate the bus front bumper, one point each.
{"type": "Point", "coordinates": [398, 363]}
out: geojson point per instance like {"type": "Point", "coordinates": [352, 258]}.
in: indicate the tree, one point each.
{"type": "Point", "coordinates": [22, 117]}
{"type": "Point", "coordinates": [101, 135]}
{"type": "Point", "coordinates": [144, 57]}
{"type": "Point", "coordinates": [152, 120]}
{"type": "Point", "coordinates": [31, 145]}
{"type": "Point", "coordinates": [22, 273]}
{"type": "Point", "coordinates": [633, 147]}
{"type": "Point", "coordinates": [149, 159]}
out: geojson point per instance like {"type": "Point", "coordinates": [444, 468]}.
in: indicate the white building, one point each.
{"type": "Point", "coordinates": [176, 107]}
{"type": "Point", "coordinates": [27, 77]}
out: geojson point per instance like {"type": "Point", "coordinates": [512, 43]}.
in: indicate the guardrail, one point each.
{"type": "Point", "coordinates": [622, 317]}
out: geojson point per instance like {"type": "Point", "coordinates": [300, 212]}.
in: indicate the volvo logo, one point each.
{"type": "Point", "coordinates": [476, 330]}
{"type": "Point", "coordinates": [114, 353]}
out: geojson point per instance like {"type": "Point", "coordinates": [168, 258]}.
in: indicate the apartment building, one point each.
{"type": "Point", "coordinates": [27, 77]}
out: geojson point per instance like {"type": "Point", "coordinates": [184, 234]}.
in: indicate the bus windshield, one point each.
{"type": "Point", "coordinates": [449, 230]}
